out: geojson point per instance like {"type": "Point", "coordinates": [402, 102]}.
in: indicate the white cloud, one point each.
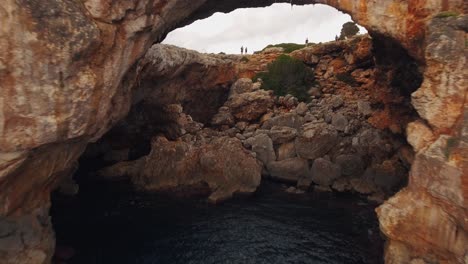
{"type": "Point", "coordinates": [258, 27]}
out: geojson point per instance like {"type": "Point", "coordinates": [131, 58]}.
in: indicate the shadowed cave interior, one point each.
{"type": "Point", "coordinates": [204, 102]}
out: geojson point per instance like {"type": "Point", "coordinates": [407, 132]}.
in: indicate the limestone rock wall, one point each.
{"type": "Point", "coordinates": [169, 75]}
{"type": "Point", "coordinates": [65, 80]}
{"type": "Point", "coordinates": [432, 210]}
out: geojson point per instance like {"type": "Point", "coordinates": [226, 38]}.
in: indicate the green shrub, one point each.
{"type": "Point", "coordinates": [346, 78]}
{"type": "Point", "coordinates": [244, 59]}
{"type": "Point", "coordinates": [287, 47]}
{"type": "Point", "coordinates": [348, 30]}
{"type": "Point", "coordinates": [287, 75]}
{"type": "Point", "coordinates": [446, 14]}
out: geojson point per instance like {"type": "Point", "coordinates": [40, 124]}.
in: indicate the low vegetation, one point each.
{"type": "Point", "coordinates": [287, 47]}
{"type": "Point", "coordinates": [287, 75]}
{"type": "Point", "coordinates": [446, 14]}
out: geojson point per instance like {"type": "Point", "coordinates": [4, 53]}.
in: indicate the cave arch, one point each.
{"type": "Point", "coordinates": [78, 88]}
{"type": "Point", "coordinates": [256, 28]}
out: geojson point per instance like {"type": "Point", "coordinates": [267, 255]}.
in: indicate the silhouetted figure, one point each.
{"type": "Point", "coordinates": [245, 50]}
{"type": "Point", "coordinates": [307, 41]}
{"type": "Point", "coordinates": [242, 49]}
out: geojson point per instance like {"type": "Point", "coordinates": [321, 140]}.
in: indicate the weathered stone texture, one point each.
{"type": "Point", "coordinates": [67, 70]}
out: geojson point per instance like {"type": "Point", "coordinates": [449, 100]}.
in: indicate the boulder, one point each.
{"type": "Point", "coordinates": [362, 186]}
{"type": "Point", "coordinates": [315, 92]}
{"type": "Point", "coordinates": [242, 125]}
{"type": "Point", "coordinates": [289, 170]}
{"type": "Point", "coordinates": [339, 121]}
{"type": "Point", "coordinates": [294, 190]}
{"type": "Point", "coordinates": [364, 108]}
{"type": "Point", "coordinates": [304, 182]}
{"type": "Point", "coordinates": [282, 134]}
{"type": "Point", "coordinates": [288, 101]}
{"type": "Point", "coordinates": [351, 165]}
{"type": "Point", "coordinates": [266, 117]}
{"type": "Point", "coordinates": [222, 164]}
{"type": "Point", "coordinates": [263, 146]}
{"type": "Point", "coordinates": [289, 120]}
{"type": "Point", "coordinates": [371, 142]}
{"type": "Point", "coordinates": [242, 85]}
{"type": "Point", "coordinates": [250, 106]}
{"type": "Point", "coordinates": [315, 141]}
{"type": "Point", "coordinates": [336, 101]}
{"type": "Point", "coordinates": [223, 117]}
{"type": "Point", "coordinates": [286, 151]}
{"type": "Point", "coordinates": [342, 185]}
{"type": "Point", "coordinates": [301, 109]}
{"type": "Point", "coordinates": [324, 172]}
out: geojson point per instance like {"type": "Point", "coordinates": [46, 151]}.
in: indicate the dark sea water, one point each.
{"type": "Point", "coordinates": [112, 225]}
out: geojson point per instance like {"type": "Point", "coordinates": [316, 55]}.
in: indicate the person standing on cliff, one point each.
{"type": "Point", "coordinates": [307, 42]}
{"type": "Point", "coordinates": [242, 49]}
{"type": "Point", "coordinates": [245, 50]}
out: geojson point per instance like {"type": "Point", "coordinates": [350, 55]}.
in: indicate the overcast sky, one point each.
{"type": "Point", "coordinates": [258, 27]}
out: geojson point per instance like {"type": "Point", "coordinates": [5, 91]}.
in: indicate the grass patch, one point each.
{"type": "Point", "coordinates": [446, 14]}
{"type": "Point", "coordinates": [346, 78]}
{"type": "Point", "coordinates": [287, 75]}
{"type": "Point", "coordinates": [287, 47]}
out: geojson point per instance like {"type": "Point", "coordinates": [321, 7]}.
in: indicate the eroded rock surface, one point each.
{"type": "Point", "coordinates": [67, 70]}
{"type": "Point", "coordinates": [221, 166]}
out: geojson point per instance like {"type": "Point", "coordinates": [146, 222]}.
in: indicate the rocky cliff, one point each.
{"type": "Point", "coordinates": [68, 72]}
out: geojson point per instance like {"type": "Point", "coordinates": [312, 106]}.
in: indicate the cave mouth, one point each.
{"type": "Point", "coordinates": [255, 28]}
{"type": "Point", "coordinates": [110, 209]}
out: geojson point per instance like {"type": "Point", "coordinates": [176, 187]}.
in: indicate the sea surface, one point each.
{"type": "Point", "coordinates": [105, 224]}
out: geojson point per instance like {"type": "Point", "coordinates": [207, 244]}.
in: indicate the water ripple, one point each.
{"type": "Point", "coordinates": [271, 227]}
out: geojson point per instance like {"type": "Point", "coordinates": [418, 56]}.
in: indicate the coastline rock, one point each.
{"type": "Point", "coordinates": [324, 172]}
{"type": "Point", "coordinates": [351, 165]}
{"type": "Point", "coordinates": [419, 135]}
{"type": "Point", "coordinates": [263, 146]}
{"type": "Point", "coordinates": [51, 111]}
{"type": "Point", "coordinates": [289, 170]}
{"type": "Point", "coordinates": [223, 164]}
